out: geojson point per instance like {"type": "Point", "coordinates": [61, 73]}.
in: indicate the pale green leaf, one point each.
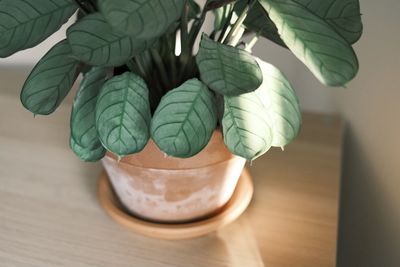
{"type": "Point", "coordinates": [123, 114]}
{"type": "Point", "coordinates": [185, 120]}
{"type": "Point", "coordinates": [144, 19]}
{"type": "Point", "coordinates": [281, 104]}
{"type": "Point", "coordinates": [227, 70]}
{"type": "Point", "coordinates": [343, 15]}
{"type": "Point", "coordinates": [328, 56]}
{"type": "Point", "coordinates": [93, 41]}
{"type": "Point", "coordinates": [50, 80]}
{"type": "Point", "coordinates": [88, 154]}
{"type": "Point", "coordinates": [25, 23]}
{"type": "Point", "coordinates": [246, 128]}
{"type": "Point", "coordinates": [83, 118]}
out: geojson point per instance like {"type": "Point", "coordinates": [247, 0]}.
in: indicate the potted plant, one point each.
{"type": "Point", "coordinates": [173, 121]}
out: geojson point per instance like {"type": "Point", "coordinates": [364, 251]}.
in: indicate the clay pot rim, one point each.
{"type": "Point", "coordinates": [233, 157]}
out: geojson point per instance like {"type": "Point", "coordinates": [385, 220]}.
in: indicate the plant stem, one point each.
{"type": "Point", "coordinates": [226, 26]}
{"type": "Point", "coordinates": [249, 46]}
{"type": "Point", "coordinates": [172, 58]}
{"type": "Point", "coordinates": [195, 30]}
{"type": "Point", "coordinates": [160, 67]}
{"type": "Point", "coordinates": [238, 23]}
{"type": "Point", "coordinates": [134, 67]}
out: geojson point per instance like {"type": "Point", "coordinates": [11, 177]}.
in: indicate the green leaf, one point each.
{"type": "Point", "coordinates": [91, 154]}
{"type": "Point", "coordinates": [214, 4]}
{"type": "Point", "coordinates": [227, 70]}
{"type": "Point", "coordinates": [247, 130]}
{"type": "Point", "coordinates": [93, 41]}
{"type": "Point", "coordinates": [25, 23]}
{"type": "Point", "coordinates": [185, 120]}
{"type": "Point", "coordinates": [257, 20]}
{"type": "Point", "coordinates": [144, 19]}
{"type": "Point", "coordinates": [281, 104]}
{"type": "Point", "coordinates": [123, 114]}
{"type": "Point", "coordinates": [50, 80]}
{"type": "Point", "coordinates": [328, 56]}
{"type": "Point", "coordinates": [343, 15]}
{"type": "Point", "coordinates": [83, 118]}
{"type": "Point", "coordinates": [221, 16]}
{"type": "Point", "coordinates": [194, 9]}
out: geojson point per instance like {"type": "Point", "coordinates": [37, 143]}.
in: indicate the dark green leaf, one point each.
{"type": "Point", "coordinates": [227, 70]}
{"type": "Point", "coordinates": [123, 114]}
{"type": "Point", "coordinates": [247, 130]}
{"type": "Point", "coordinates": [328, 56]}
{"type": "Point", "coordinates": [281, 104]}
{"type": "Point", "coordinates": [50, 80]}
{"type": "Point", "coordinates": [91, 154]}
{"type": "Point", "coordinates": [214, 4]}
{"type": "Point", "coordinates": [194, 9]}
{"type": "Point", "coordinates": [83, 119]}
{"type": "Point", "coordinates": [93, 41]}
{"type": "Point", "coordinates": [25, 23]}
{"type": "Point", "coordinates": [185, 120]}
{"type": "Point", "coordinates": [144, 19]}
{"type": "Point", "coordinates": [257, 20]}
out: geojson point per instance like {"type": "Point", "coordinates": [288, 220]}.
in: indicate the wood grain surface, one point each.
{"type": "Point", "coordinates": [50, 216]}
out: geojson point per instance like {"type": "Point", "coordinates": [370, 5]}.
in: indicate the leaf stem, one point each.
{"type": "Point", "coordinates": [226, 26]}
{"type": "Point", "coordinates": [197, 25]}
{"type": "Point", "coordinates": [160, 67]}
{"type": "Point", "coordinates": [236, 27]}
{"type": "Point", "coordinates": [249, 46]}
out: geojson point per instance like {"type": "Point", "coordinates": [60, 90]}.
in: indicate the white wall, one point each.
{"type": "Point", "coordinates": [370, 223]}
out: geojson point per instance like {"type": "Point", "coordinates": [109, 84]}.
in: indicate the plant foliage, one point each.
{"type": "Point", "coordinates": [143, 77]}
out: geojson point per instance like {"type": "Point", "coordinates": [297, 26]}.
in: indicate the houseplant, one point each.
{"type": "Point", "coordinates": [141, 82]}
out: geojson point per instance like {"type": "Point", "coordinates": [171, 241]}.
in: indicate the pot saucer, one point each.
{"type": "Point", "coordinates": [231, 211]}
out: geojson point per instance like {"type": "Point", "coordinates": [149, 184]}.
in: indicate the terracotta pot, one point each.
{"type": "Point", "coordinates": [166, 189]}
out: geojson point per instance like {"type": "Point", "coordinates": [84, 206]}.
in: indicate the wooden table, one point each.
{"type": "Point", "coordinates": [50, 216]}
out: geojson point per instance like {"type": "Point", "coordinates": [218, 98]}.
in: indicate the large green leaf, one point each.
{"type": "Point", "coordinates": [26, 23]}
{"type": "Point", "coordinates": [89, 154]}
{"type": "Point", "coordinates": [50, 80]}
{"type": "Point", "coordinates": [281, 104]}
{"type": "Point", "coordinates": [83, 118]}
{"type": "Point", "coordinates": [328, 56]}
{"type": "Point", "coordinates": [343, 15]}
{"type": "Point", "coordinates": [93, 41]}
{"type": "Point", "coordinates": [227, 70]}
{"type": "Point", "coordinates": [247, 130]}
{"type": "Point", "coordinates": [123, 114]}
{"type": "Point", "coordinates": [144, 19]}
{"type": "Point", "coordinates": [185, 120]}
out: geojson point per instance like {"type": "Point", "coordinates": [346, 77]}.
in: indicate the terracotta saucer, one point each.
{"type": "Point", "coordinates": [231, 211]}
